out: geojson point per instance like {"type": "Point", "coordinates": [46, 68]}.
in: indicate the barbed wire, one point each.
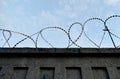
{"type": "Point", "coordinates": [71, 42]}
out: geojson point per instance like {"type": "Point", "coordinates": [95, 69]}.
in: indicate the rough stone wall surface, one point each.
{"type": "Point", "coordinates": [27, 63]}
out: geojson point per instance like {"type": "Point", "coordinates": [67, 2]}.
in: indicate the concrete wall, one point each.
{"type": "Point", "coordinates": [72, 63]}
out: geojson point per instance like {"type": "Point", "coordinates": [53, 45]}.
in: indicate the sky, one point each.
{"type": "Point", "coordinates": [30, 16]}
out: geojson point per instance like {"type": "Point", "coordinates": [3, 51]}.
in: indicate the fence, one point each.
{"type": "Point", "coordinates": [6, 35]}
